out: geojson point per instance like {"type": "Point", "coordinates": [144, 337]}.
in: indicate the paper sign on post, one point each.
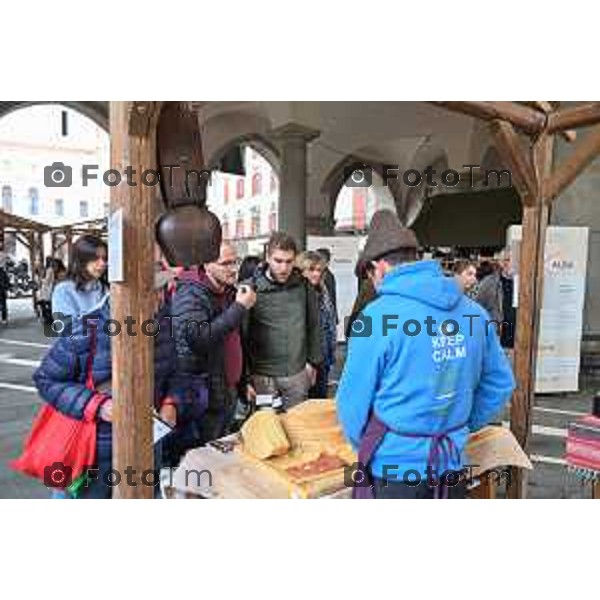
{"type": "Point", "coordinates": [160, 429]}
{"type": "Point", "coordinates": [115, 245]}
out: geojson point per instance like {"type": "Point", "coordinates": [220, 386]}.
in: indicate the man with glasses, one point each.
{"type": "Point", "coordinates": [207, 312]}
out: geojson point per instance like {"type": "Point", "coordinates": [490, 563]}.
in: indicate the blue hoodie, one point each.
{"type": "Point", "coordinates": [422, 384]}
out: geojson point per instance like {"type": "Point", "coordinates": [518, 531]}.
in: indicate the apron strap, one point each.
{"type": "Point", "coordinates": [441, 451]}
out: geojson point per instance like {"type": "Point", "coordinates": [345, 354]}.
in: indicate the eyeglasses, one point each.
{"type": "Point", "coordinates": [230, 263]}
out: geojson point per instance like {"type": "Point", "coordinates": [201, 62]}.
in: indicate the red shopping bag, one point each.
{"type": "Point", "coordinates": [59, 448]}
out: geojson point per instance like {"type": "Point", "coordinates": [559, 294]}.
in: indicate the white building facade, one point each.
{"type": "Point", "coordinates": [50, 140]}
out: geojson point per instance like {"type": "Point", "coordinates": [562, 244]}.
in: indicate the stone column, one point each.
{"type": "Point", "coordinates": [293, 140]}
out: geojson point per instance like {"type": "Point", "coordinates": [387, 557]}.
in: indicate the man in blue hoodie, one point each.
{"type": "Point", "coordinates": [423, 370]}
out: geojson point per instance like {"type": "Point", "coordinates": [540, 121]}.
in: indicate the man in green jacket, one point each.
{"type": "Point", "coordinates": [281, 332]}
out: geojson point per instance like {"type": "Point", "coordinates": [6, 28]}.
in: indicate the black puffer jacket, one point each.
{"type": "Point", "coordinates": [200, 326]}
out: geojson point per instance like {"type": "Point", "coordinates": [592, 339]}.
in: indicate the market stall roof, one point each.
{"type": "Point", "coordinates": [82, 226]}
{"type": "Point", "coordinates": [474, 219]}
{"type": "Point", "coordinates": [10, 221]}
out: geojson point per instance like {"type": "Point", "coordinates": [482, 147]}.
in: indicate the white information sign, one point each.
{"type": "Point", "coordinates": [344, 254]}
{"type": "Point", "coordinates": [115, 246]}
{"type": "Point", "coordinates": [561, 320]}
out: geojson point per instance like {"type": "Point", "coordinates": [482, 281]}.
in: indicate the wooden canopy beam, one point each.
{"type": "Point", "coordinates": [566, 173]}
{"type": "Point", "coordinates": [573, 117]}
{"type": "Point", "coordinates": [525, 118]}
{"type": "Point", "coordinates": [511, 150]}
{"type": "Point", "coordinates": [548, 108]}
{"type": "Point", "coordinates": [22, 240]}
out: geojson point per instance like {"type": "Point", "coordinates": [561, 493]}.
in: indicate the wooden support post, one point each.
{"type": "Point", "coordinates": [26, 241]}
{"type": "Point", "coordinates": [585, 152]}
{"type": "Point", "coordinates": [531, 276]}
{"type": "Point", "coordinates": [517, 160]}
{"type": "Point", "coordinates": [133, 357]}
{"type": "Point", "coordinates": [486, 490]}
{"type": "Point", "coordinates": [69, 242]}
{"type": "Point", "coordinates": [32, 256]}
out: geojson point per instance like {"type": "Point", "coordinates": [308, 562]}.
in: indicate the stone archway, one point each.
{"type": "Point", "coordinates": [333, 186]}
{"type": "Point", "coordinates": [96, 111]}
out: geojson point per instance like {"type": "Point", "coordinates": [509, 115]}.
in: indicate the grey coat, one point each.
{"type": "Point", "coordinates": [491, 297]}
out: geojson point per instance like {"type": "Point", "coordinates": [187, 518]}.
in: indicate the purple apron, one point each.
{"type": "Point", "coordinates": [441, 449]}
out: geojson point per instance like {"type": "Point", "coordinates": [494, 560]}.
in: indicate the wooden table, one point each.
{"type": "Point", "coordinates": [212, 474]}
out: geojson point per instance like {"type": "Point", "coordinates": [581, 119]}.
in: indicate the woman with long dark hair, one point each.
{"type": "Point", "coordinates": [85, 285]}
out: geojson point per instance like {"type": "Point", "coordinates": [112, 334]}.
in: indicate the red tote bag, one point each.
{"type": "Point", "coordinates": [59, 448]}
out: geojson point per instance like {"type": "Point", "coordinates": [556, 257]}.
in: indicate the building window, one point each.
{"type": "Point", "coordinates": [225, 228]}
{"type": "Point", "coordinates": [7, 198]}
{"type": "Point", "coordinates": [273, 218]}
{"type": "Point", "coordinates": [239, 226]}
{"type": "Point", "coordinates": [256, 184]}
{"type": "Point", "coordinates": [59, 207]}
{"type": "Point", "coordinates": [226, 191]}
{"type": "Point", "coordinates": [240, 189]}
{"type": "Point", "coordinates": [359, 208]}
{"type": "Point", "coordinates": [34, 202]}
{"type": "Point", "coordinates": [255, 222]}
{"type": "Point", "coordinates": [83, 209]}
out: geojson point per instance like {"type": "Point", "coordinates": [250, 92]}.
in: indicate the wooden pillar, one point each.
{"type": "Point", "coordinates": [531, 279]}
{"type": "Point", "coordinates": [133, 357]}
{"type": "Point", "coordinates": [30, 235]}
{"type": "Point", "coordinates": [486, 490]}
{"type": "Point", "coordinates": [69, 241]}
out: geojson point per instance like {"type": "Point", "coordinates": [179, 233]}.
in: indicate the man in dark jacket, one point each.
{"type": "Point", "coordinates": [329, 279]}
{"type": "Point", "coordinates": [282, 330]}
{"type": "Point", "coordinates": [495, 295]}
{"type": "Point", "coordinates": [207, 313]}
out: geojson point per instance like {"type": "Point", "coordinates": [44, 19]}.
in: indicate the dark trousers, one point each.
{"type": "Point", "coordinates": [45, 309]}
{"type": "Point", "coordinates": [319, 390]}
{"type": "Point", "coordinates": [218, 418]}
{"type": "Point", "coordinates": [397, 490]}
{"type": "Point", "coordinates": [3, 308]}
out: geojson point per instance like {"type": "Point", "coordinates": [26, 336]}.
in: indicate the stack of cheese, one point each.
{"type": "Point", "coordinates": [317, 451]}
{"type": "Point", "coordinates": [313, 425]}
{"type": "Point", "coordinates": [263, 435]}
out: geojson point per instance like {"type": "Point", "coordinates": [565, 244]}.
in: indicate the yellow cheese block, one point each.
{"type": "Point", "coordinates": [263, 435]}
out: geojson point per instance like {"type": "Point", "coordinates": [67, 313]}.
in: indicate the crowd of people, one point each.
{"type": "Point", "coordinates": [266, 327]}
{"type": "Point", "coordinates": [237, 330]}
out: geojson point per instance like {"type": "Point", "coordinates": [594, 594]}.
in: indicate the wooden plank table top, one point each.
{"type": "Point", "coordinates": [208, 473]}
